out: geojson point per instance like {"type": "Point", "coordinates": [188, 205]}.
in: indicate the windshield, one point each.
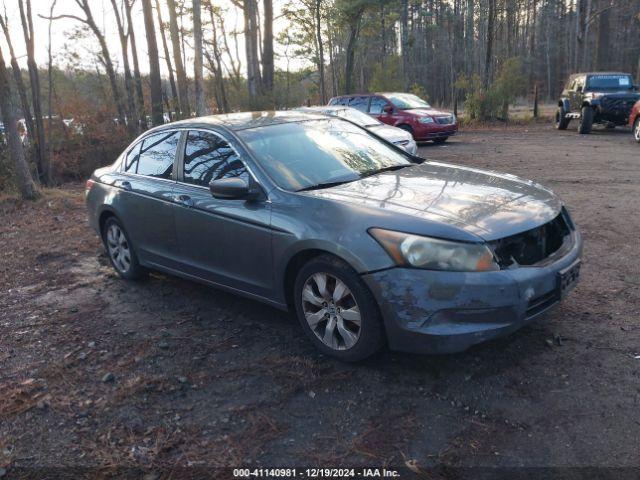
{"type": "Point", "coordinates": [406, 101]}
{"type": "Point", "coordinates": [609, 82]}
{"type": "Point", "coordinates": [356, 116]}
{"type": "Point", "coordinates": [302, 155]}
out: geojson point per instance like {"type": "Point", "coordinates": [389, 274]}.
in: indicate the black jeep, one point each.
{"type": "Point", "coordinates": [597, 97]}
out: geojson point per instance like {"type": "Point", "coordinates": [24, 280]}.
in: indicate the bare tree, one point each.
{"type": "Point", "coordinates": [26, 184]}
{"type": "Point", "coordinates": [105, 55]}
{"type": "Point", "coordinates": [175, 106]}
{"type": "Point", "coordinates": [267, 47]}
{"type": "Point", "coordinates": [34, 78]}
{"type": "Point", "coordinates": [154, 64]}
{"type": "Point", "coordinates": [22, 89]}
{"type": "Point", "coordinates": [128, 80]}
{"type": "Point", "coordinates": [183, 93]}
{"type": "Point", "coordinates": [137, 78]}
{"type": "Point", "coordinates": [197, 64]}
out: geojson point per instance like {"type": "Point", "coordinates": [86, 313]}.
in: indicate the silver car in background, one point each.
{"type": "Point", "coordinates": [395, 135]}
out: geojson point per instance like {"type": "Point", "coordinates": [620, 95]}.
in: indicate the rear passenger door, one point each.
{"type": "Point", "coordinates": [145, 202]}
{"type": "Point", "coordinates": [224, 241]}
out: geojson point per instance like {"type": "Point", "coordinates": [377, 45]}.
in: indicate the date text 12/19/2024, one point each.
{"type": "Point", "coordinates": [315, 473]}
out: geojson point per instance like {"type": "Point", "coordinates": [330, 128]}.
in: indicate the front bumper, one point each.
{"type": "Point", "coordinates": [446, 312]}
{"type": "Point", "coordinates": [431, 131]}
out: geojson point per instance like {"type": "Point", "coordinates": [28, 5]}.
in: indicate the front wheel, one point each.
{"type": "Point", "coordinates": [636, 129]}
{"type": "Point", "coordinates": [586, 120]}
{"type": "Point", "coordinates": [336, 310]}
{"type": "Point", "coordinates": [562, 122]}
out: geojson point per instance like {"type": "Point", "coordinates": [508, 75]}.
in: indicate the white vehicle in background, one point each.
{"type": "Point", "coordinates": [397, 136]}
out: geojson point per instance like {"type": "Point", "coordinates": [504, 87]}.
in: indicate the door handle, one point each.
{"type": "Point", "coordinates": [185, 200]}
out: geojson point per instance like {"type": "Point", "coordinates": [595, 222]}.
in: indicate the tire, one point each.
{"type": "Point", "coordinates": [636, 129]}
{"type": "Point", "coordinates": [120, 251]}
{"type": "Point", "coordinates": [440, 141]}
{"type": "Point", "coordinates": [562, 122]}
{"type": "Point", "coordinates": [586, 120]}
{"type": "Point", "coordinates": [317, 284]}
{"type": "Point", "coordinates": [407, 128]}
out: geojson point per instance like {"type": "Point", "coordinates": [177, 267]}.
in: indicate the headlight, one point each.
{"type": "Point", "coordinates": [435, 254]}
{"type": "Point", "coordinates": [425, 119]}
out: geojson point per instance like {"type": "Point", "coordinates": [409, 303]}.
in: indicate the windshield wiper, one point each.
{"type": "Point", "coordinates": [392, 168]}
{"type": "Point", "coordinates": [318, 186]}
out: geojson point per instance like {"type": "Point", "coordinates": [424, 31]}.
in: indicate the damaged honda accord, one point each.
{"type": "Point", "coordinates": [367, 244]}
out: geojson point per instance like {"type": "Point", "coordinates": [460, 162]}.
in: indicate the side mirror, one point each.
{"type": "Point", "coordinates": [233, 189]}
{"type": "Point", "coordinates": [387, 109]}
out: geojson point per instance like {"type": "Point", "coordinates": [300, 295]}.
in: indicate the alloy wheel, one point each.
{"type": "Point", "coordinates": [118, 247]}
{"type": "Point", "coordinates": [331, 311]}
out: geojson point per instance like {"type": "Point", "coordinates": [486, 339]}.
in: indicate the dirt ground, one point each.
{"type": "Point", "coordinates": [178, 379]}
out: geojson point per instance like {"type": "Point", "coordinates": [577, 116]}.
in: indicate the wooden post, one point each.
{"type": "Point", "coordinates": [535, 101]}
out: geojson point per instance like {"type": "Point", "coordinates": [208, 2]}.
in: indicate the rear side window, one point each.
{"type": "Point", "coordinates": [359, 103]}
{"type": "Point", "coordinates": [157, 154]}
{"type": "Point", "coordinates": [377, 104]}
{"type": "Point", "coordinates": [209, 157]}
{"type": "Point", "coordinates": [334, 101]}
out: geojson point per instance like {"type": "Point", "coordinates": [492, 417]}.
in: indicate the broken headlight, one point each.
{"type": "Point", "coordinates": [434, 254]}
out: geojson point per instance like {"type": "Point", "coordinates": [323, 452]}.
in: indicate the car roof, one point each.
{"type": "Point", "coordinates": [324, 108]}
{"type": "Point", "coordinates": [600, 73]}
{"type": "Point", "coordinates": [244, 120]}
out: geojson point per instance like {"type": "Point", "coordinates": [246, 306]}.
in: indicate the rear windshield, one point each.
{"type": "Point", "coordinates": [609, 82]}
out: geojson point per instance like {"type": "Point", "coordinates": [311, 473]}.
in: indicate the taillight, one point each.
{"type": "Point", "coordinates": [89, 185]}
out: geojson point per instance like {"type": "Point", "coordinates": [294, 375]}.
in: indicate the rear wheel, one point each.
{"type": "Point", "coordinates": [336, 310]}
{"type": "Point", "coordinates": [562, 122]}
{"type": "Point", "coordinates": [636, 129]}
{"type": "Point", "coordinates": [120, 251]}
{"type": "Point", "coordinates": [586, 120]}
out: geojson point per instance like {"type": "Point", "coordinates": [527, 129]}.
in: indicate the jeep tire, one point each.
{"type": "Point", "coordinates": [562, 122]}
{"type": "Point", "coordinates": [586, 120]}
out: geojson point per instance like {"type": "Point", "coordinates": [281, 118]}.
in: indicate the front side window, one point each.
{"type": "Point", "coordinates": [407, 101]}
{"type": "Point", "coordinates": [157, 154]}
{"type": "Point", "coordinates": [209, 157]}
{"type": "Point", "coordinates": [131, 161]}
{"type": "Point", "coordinates": [303, 155]}
{"type": "Point", "coordinates": [377, 105]}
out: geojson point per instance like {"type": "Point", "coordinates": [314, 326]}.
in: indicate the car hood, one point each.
{"type": "Point", "coordinates": [391, 134]}
{"type": "Point", "coordinates": [428, 111]}
{"type": "Point", "coordinates": [486, 204]}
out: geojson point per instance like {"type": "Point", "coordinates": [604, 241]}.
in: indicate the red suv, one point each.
{"type": "Point", "coordinates": [406, 111]}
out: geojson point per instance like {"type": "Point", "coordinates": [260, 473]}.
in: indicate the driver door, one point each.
{"type": "Point", "coordinates": [377, 110]}
{"type": "Point", "coordinates": [225, 241]}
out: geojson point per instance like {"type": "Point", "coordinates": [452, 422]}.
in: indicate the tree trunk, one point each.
{"type": "Point", "coordinates": [34, 79]}
{"type": "Point", "coordinates": [22, 89]}
{"type": "Point", "coordinates": [183, 93]}
{"type": "Point", "coordinates": [128, 81]}
{"type": "Point", "coordinates": [154, 65]}
{"type": "Point", "coordinates": [142, 117]}
{"type": "Point", "coordinates": [323, 94]}
{"type": "Point", "coordinates": [27, 186]}
{"type": "Point", "coordinates": [197, 64]}
{"type": "Point", "coordinates": [404, 32]}
{"type": "Point", "coordinates": [175, 106]}
{"type": "Point", "coordinates": [267, 48]}
{"type": "Point", "coordinates": [354, 31]}
{"type": "Point", "coordinates": [603, 50]}
{"type": "Point", "coordinates": [250, 10]}
{"type": "Point", "coordinates": [219, 78]}
{"type": "Point", "coordinates": [469, 37]}
{"type": "Point", "coordinates": [489, 51]}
